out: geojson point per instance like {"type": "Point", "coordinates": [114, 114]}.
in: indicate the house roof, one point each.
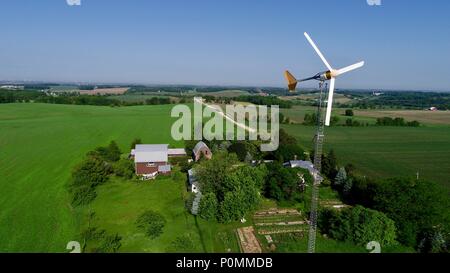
{"type": "Point", "coordinates": [199, 146]}
{"type": "Point", "coordinates": [151, 153]}
{"type": "Point", "coordinates": [308, 165]}
{"type": "Point", "coordinates": [191, 176]}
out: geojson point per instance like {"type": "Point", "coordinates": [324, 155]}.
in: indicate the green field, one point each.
{"type": "Point", "coordinates": [382, 152]}
{"type": "Point", "coordinates": [41, 143]}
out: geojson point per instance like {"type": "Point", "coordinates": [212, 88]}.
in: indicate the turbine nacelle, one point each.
{"type": "Point", "coordinates": [329, 75]}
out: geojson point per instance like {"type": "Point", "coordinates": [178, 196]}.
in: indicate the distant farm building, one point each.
{"type": "Point", "coordinates": [432, 109]}
{"type": "Point", "coordinates": [201, 149]}
{"type": "Point", "coordinates": [152, 159]}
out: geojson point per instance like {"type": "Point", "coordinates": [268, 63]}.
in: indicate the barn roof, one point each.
{"type": "Point", "coordinates": [151, 153]}
{"type": "Point", "coordinates": [199, 146]}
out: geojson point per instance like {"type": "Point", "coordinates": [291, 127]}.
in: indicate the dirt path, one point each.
{"type": "Point", "coordinates": [220, 112]}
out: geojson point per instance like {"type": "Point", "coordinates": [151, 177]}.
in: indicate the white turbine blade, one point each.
{"type": "Point", "coordinates": [349, 68]}
{"type": "Point", "coordinates": [330, 102]}
{"type": "Point", "coordinates": [318, 51]}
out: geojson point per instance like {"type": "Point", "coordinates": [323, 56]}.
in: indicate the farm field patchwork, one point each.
{"type": "Point", "coordinates": [41, 143]}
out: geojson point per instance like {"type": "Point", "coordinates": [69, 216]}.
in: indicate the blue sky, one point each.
{"type": "Point", "coordinates": [405, 43]}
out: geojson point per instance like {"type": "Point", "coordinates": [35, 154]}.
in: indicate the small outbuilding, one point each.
{"type": "Point", "coordinates": [193, 184]}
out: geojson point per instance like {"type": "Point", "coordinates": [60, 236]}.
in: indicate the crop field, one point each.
{"type": "Point", "coordinates": [424, 116]}
{"type": "Point", "coordinates": [137, 97]}
{"type": "Point", "coordinates": [382, 152]}
{"type": "Point", "coordinates": [104, 91]}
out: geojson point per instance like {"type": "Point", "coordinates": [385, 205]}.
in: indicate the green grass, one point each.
{"type": "Point", "coordinates": [119, 203]}
{"type": "Point", "coordinates": [40, 144]}
{"type": "Point", "coordinates": [382, 152]}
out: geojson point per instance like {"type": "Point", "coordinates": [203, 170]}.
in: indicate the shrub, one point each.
{"type": "Point", "coordinates": [109, 244]}
{"type": "Point", "coordinates": [349, 113]}
{"type": "Point", "coordinates": [152, 223]}
{"type": "Point", "coordinates": [182, 244]}
{"type": "Point", "coordinates": [124, 168]}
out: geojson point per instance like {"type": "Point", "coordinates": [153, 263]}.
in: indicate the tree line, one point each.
{"type": "Point", "coordinates": [18, 96]}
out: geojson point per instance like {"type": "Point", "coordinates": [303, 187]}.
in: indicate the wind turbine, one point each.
{"type": "Point", "coordinates": [329, 75]}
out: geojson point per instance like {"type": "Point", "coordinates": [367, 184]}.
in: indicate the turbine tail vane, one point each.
{"type": "Point", "coordinates": [292, 81]}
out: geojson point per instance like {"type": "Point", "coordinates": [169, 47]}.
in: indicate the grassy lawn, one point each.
{"type": "Point", "coordinates": [119, 203]}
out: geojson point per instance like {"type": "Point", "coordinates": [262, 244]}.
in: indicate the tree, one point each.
{"type": "Point", "coordinates": [281, 118]}
{"type": "Point", "coordinates": [349, 113]}
{"type": "Point", "coordinates": [310, 119]}
{"type": "Point", "coordinates": [349, 122]}
{"type": "Point", "coordinates": [347, 186]}
{"type": "Point", "coordinates": [433, 241]}
{"type": "Point", "coordinates": [329, 164]}
{"type": "Point", "coordinates": [134, 142]}
{"type": "Point", "coordinates": [231, 188]}
{"type": "Point", "coordinates": [334, 120]}
{"type": "Point", "coordinates": [340, 179]}
{"type": "Point", "coordinates": [288, 152]}
{"type": "Point", "coordinates": [211, 173]}
{"type": "Point", "coordinates": [182, 244]}
{"type": "Point", "coordinates": [111, 153]}
{"type": "Point", "coordinates": [151, 223]}
{"type": "Point", "coordinates": [114, 152]}
{"type": "Point", "coordinates": [124, 168]}
{"type": "Point", "coordinates": [242, 149]}
{"type": "Point", "coordinates": [86, 177]}
{"type": "Point", "coordinates": [231, 208]}
{"type": "Point", "coordinates": [208, 207]}
{"type": "Point", "coordinates": [360, 226]}
{"type": "Point", "coordinates": [284, 183]}
{"type": "Point", "coordinates": [414, 205]}
{"type": "Point", "coordinates": [109, 244]}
